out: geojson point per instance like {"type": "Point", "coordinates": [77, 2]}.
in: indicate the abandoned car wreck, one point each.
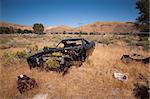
{"type": "Point", "coordinates": [136, 58]}
{"type": "Point", "coordinates": [67, 53]}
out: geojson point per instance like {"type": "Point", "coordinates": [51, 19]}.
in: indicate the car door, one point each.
{"type": "Point", "coordinates": [86, 47]}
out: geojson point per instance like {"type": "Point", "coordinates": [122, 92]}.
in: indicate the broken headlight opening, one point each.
{"type": "Point", "coordinates": [66, 51]}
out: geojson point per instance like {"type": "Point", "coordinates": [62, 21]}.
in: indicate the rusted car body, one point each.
{"type": "Point", "coordinates": [76, 50]}
{"type": "Point", "coordinates": [135, 58]}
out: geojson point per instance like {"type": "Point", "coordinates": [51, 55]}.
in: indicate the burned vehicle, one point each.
{"type": "Point", "coordinates": [135, 58]}
{"type": "Point", "coordinates": [67, 53]}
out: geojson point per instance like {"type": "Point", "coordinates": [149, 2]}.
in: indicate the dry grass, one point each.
{"type": "Point", "coordinates": [93, 80]}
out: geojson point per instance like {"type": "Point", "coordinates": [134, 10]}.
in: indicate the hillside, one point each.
{"type": "Point", "coordinates": [59, 29]}
{"type": "Point", "coordinates": [16, 26]}
{"type": "Point", "coordinates": [100, 27]}
{"type": "Point", "coordinates": [108, 27]}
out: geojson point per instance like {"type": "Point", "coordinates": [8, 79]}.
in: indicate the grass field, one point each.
{"type": "Point", "coordinates": [93, 80]}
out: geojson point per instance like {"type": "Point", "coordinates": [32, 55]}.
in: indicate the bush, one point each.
{"type": "Point", "coordinates": [33, 49]}
{"type": "Point", "coordinates": [64, 32]}
{"type": "Point", "coordinates": [5, 30]}
{"type": "Point", "coordinates": [38, 28]}
{"type": "Point", "coordinates": [76, 33]}
{"type": "Point", "coordinates": [143, 41]}
{"type": "Point", "coordinates": [19, 31]}
{"type": "Point", "coordinates": [53, 62]}
{"type": "Point", "coordinates": [11, 30]}
{"type": "Point", "coordinates": [8, 59]}
{"type": "Point", "coordinates": [22, 54]}
{"type": "Point", "coordinates": [27, 31]}
{"type": "Point", "coordinates": [106, 41]}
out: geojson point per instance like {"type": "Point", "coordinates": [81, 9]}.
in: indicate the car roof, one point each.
{"type": "Point", "coordinates": [72, 39]}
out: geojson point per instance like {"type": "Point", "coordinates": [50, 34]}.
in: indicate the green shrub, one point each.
{"type": "Point", "coordinates": [27, 31]}
{"type": "Point", "coordinates": [58, 54]}
{"type": "Point", "coordinates": [4, 30]}
{"type": "Point", "coordinates": [19, 30]}
{"type": "Point", "coordinates": [55, 59]}
{"type": "Point", "coordinates": [105, 41]}
{"type": "Point", "coordinates": [11, 58]}
{"type": "Point", "coordinates": [33, 49]}
{"type": "Point", "coordinates": [143, 41]}
{"type": "Point", "coordinates": [22, 54]}
{"type": "Point", "coordinates": [8, 59]}
{"type": "Point", "coordinates": [38, 28]}
{"type": "Point", "coordinates": [53, 62]}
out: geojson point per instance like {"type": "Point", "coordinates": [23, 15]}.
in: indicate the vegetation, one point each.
{"type": "Point", "coordinates": [64, 32]}
{"type": "Point", "coordinates": [11, 30]}
{"type": "Point", "coordinates": [106, 41]}
{"type": "Point", "coordinates": [95, 75]}
{"type": "Point", "coordinates": [8, 59]}
{"type": "Point", "coordinates": [22, 54]}
{"type": "Point", "coordinates": [53, 62]}
{"type": "Point", "coordinates": [4, 30]}
{"type": "Point", "coordinates": [27, 31]}
{"type": "Point", "coordinates": [11, 58]}
{"type": "Point", "coordinates": [19, 31]}
{"type": "Point", "coordinates": [38, 28]}
{"type": "Point", "coordinates": [143, 19]}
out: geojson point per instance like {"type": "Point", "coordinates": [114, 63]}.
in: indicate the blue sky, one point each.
{"type": "Point", "coordinates": [67, 12]}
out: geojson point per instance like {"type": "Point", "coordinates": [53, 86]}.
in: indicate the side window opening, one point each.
{"type": "Point", "coordinates": [75, 43]}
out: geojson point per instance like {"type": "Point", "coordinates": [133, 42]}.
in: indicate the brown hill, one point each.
{"type": "Point", "coordinates": [108, 27]}
{"type": "Point", "coordinates": [16, 26]}
{"type": "Point", "coordinates": [100, 27]}
{"type": "Point", "coordinates": [59, 29]}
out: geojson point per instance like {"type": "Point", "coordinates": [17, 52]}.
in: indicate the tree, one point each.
{"type": "Point", "coordinates": [64, 32]}
{"type": "Point", "coordinates": [4, 30]}
{"type": "Point", "coordinates": [27, 31]}
{"type": "Point", "coordinates": [19, 31]}
{"type": "Point", "coordinates": [11, 30]}
{"type": "Point", "coordinates": [38, 28]}
{"type": "Point", "coordinates": [143, 19]}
